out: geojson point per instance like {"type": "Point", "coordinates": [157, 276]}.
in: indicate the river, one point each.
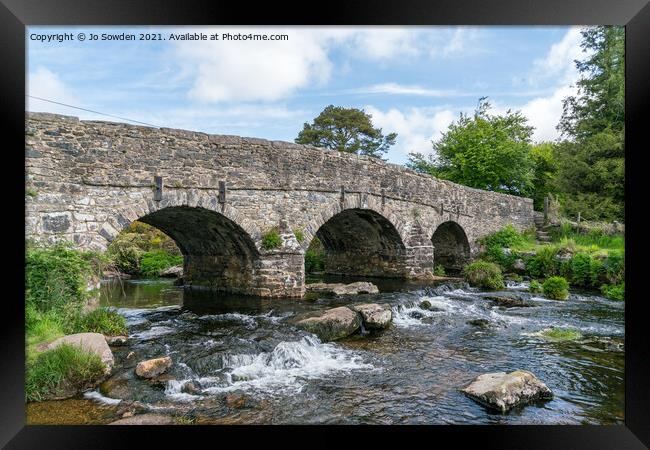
{"type": "Point", "coordinates": [248, 365]}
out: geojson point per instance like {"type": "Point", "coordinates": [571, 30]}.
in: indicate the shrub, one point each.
{"type": "Point", "coordinates": [439, 271]}
{"type": "Point", "coordinates": [125, 251]}
{"type": "Point", "coordinates": [507, 236]}
{"type": "Point", "coordinates": [56, 280]}
{"type": "Point", "coordinates": [561, 334]}
{"type": "Point", "coordinates": [544, 263]}
{"type": "Point", "coordinates": [614, 267]}
{"type": "Point", "coordinates": [556, 288]}
{"type": "Point", "coordinates": [315, 256]}
{"type": "Point", "coordinates": [484, 274]}
{"type": "Point", "coordinates": [614, 291]}
{"type": "Point", "coordinates": [153, 262]}
{"type": "Point", "coordinates": [585, 270]}
{"type": "Point", "coordinates": [535, 287]}
{"type": "Point", "coordinates": [61, 369]}
{"type": "Point", "coordinates": [300, 236]}
{"type": "Point", "coordinates": [102, 320]}
{"type": "Point", "coordinates": [271, 239]}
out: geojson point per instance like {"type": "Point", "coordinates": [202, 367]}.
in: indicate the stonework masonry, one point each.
{"type": "Point", "coordinates": [218, 195]}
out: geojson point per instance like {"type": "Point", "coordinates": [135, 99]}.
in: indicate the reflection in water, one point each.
{"type": "Point", "coordinates": [238, 359]}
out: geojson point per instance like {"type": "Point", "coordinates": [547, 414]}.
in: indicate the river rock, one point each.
{"type": "Point", "coordinates": [481, 323]}
{"type": "Point", "coordinates": [503, 391]}
{"type": "Point", "coordinates": [117, 386]}
{"type": "Point", "coordinates": [509, 302]}
{"type": "Point", "coordinates": [235, 401]}
{"type": "Point", "coordinates": [360, 287]}
{"type": "Point", "coordinates": [116, 341]}
{"type": "Point", "coordinates": [192, 388]}
{"type": "Point", "coordinates": [331, 324]}
{"type": "Point", "coordinates": [152, 368]}
{"type": "Point", "coordinates": [519, 266]}
{"type": "Point", "coordinates": [115, 274]}
{"type": "Point", "coordinates": [374, 316]}
{"type": "Point", "coordinates": [91, 342]}
{"type": "Point", "coordinates": [146, 419]}
{"type": "Point", "coordinates": [172, 272]}
{"type": "Point", "coordinates": [425, 304]}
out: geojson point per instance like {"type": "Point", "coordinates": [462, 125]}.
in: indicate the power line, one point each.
{"type": "Point", "coordinates": [90, 110]}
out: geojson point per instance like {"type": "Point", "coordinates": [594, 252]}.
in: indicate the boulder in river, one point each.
{"type": "Point", "coordinates": [374, 316]}
{"type": "Point", "coordinates": [425, 304]}
{"type": "Point", "coordinates": [508, 301]}
{"type": "Point", "coordinates": [360, 287]}
{"type": "Point", "coordinates": [172, 272]}
{"type": "Point", "coordinates": [503, 391]}
{"type": "Point", "coordinates": [481, 323]}
{"type": "Point", "coordinates": [90, 342]}
{"type": "Point", "coordinates": [152, 368]}
{"type": "Point", "coordinates": [116, 340]}
{"type": "Point", "coordinates": [331, 324]}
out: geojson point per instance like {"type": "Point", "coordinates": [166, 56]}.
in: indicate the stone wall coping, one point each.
{"type": "Point", "coordinates": [290, 146]}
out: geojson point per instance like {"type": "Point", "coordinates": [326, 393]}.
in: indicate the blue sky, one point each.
{"type": "Point", "coordinates": [413, 80]}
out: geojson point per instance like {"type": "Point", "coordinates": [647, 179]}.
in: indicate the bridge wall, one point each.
{"type": "Point", "coordinates": [87, 180]}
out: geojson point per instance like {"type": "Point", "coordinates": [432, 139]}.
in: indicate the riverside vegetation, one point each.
{"type": "Point", "coordinates": [60, 285]}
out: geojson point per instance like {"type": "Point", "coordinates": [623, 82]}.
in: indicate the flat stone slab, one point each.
{"type": "Point", "coordinates": [146, 419]}
{"type": "Point", "coordinates": [509, 301]}
{"type": "Point", "coordinates": [172, 272]}
{"type": "Point", "coordinates": [374, 316]}
{"type": "Point", "coordinates": [359, 287]}
{"type": "Point", "coordinates": [331, 324]}
{"type": "Point", "coordinates": [503, 391]}
{"type": "Point", "coordinates": [91, 342]}
{"type": "Point", "coordinates": [152, 368]}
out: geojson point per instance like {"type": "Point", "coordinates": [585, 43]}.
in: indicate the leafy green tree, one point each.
{"type": "Point", "coordinates": [591, 159]}
{"type": "Point", "coordinates": [544, 171]}
{"type": "Point", "coordinates": [347, 130]}
{"type": "Point", "coordinates": [483, 151]}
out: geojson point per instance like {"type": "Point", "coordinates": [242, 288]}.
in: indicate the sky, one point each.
{"type": "Point", "coordinates": [413, 81]}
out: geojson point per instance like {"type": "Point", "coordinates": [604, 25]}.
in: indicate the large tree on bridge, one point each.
{"type": "Point", "coordinates": [347, 130]}
{"type": "Point", "coordinates": [484, 151]}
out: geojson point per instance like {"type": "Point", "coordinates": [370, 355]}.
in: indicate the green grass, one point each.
{"type": "Point", "coordinates": [271, 239]}
{"type": "Point", "coordinates": [300, 236]}
{"type": "Point", "coordinates": [561, 334]}
{"type": "Point", "coordinates": [614, 291]}
{"type": "Point", "coordinates": [65, 367]}
{"type": "Point", "coordinates": [102, 320]}
{"type": "Point", "coordinates": [155, 261]}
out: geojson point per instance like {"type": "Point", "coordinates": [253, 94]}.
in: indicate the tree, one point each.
{"type": "Point", "coordinates": [544, 171]}
{"type": "Point", "coordinates": [591, 159]}
{"type": "Point", "coordinates": [483, 151]}
{"type": "Point", "coordinates": [347, 130]}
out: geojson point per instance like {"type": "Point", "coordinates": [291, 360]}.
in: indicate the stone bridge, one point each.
{"type": "Point", "coordinates": [218, 196]}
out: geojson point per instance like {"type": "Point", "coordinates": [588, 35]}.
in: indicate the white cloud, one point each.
{"type": "Point", "coordinates": [46, 84]}
{"type": "Point", "coordinates": [544, 113]}
{"type": "Point", "coordinates": [400, 89]}
{"type": "Point", "coordinates": [385, 43]}
{"type": "Point", "coordinates": [415, 128]}
{"type": "Point", "coordinates": [558, 63]}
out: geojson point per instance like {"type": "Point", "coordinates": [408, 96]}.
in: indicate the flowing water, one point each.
{"type": "Point", "coordinates": [239, 360]}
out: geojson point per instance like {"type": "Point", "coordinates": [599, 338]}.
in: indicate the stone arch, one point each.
{"type": "Point", "coordinates": [451, 246]}
{"type": "Point", "coordinates": [219, 252]}
{"type": "Point", "coordinates": [360, 242]}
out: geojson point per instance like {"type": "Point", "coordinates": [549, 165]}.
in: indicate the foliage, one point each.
{"type": "Point", "coordinates": [315, 256]}
{"type": "Point", "coordinates": [439, 271]}
{"type": "Point", "coordinates": [556, 288]}
{"type": "Point", "coordinates": [614, 291]}
{"type": "Point", "coordinates": [614, 267]}
{"type": "Point", "coordinates": [595, 237]}
{"type": "Point", "coordinates": [155, 261]}
{"type": "Point", "coordinates": [484, 151]}
{"type": "Point", "coordinates": [544, 171]}
{"type": "Point", "coordinates": [33, 193]}
{"type": "Point", "coordinates": [140, 242]}
{"type": "Point", "coordinates": [561, 334]}
{"type": "Point", "coordinates": [484, 274]}
{"type": "Point", "coordinates": [591, 169]}
{"type": "Point", "coordinates": [300, 236]}
{"type": "Point", "coordinates": [535, 287]}
{"type": "Point", "coordinates": [56, 280]}
{"type": "Point", "coordinates": [585, 270]}
{"type": "Point", "coordinates": [544, 263]}
{"type": "Point", "coordinates": [347, 130]}
{"type": "Point", "coordinates": [65, 366]}
{"type": "Point", "coordinates": [102, 320]}
{"type": "Point", "coordinates": [271, 239]}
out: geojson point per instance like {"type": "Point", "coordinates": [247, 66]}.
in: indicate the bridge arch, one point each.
{"type": "Point", "coordinates": [451, 246]}
{"type": "Point", "coordinates": [359, 241]}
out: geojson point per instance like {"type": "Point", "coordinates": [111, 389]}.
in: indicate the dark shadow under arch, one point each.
{"type": "Point", "coordinates": [362, 242]}
{"type": "Point", "coordinates": [451, 247]}
{"type": "Point", "coordinates": [217, 252]}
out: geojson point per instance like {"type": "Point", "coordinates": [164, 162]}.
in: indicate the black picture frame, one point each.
{"type": "Point", "coordinates": [15, 15]}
